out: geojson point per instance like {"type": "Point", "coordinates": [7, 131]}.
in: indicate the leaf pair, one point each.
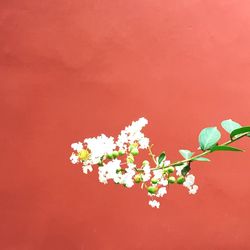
{"type": "Point", "coordinates": [209, 137]}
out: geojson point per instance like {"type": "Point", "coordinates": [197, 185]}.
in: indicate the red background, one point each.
{"type": "Point", "coordinates": [74, 69]}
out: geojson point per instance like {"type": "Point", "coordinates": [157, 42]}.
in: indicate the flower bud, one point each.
{"type": "Point", "coordinates": [171, 179]}
{"type": "Point", "coordinates": [121, 152]}
{"type": "Point", "coordinates": [115, 154]}
{"type": "Point", "coordinates": [170, 170]}
{"type": "Point", "coordinates": [110, 156]}
{"type": "Point", "coordinates": [134, 145]}
{"type": "Point", "coordinates": [154, 181]}
{"type": "Point", "coordinates": [145, 163]}
{"type": "Point", "coordinates": [137, 178]}
{"type": "Point", "coordinates": [152, 189]}
{"type": "Point", "coordinates": [181, 180]}
{"type": "Point", "coordinates": [134, 151]}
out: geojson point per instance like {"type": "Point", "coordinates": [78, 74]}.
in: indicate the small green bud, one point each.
{"type": "Point", "coordinates": [134, 145]}
{"type": "Point", "coordinates": [121, 152]}
{"type": "Point", "coordinates": [170, 170]}
{"type": "Point", "coordinates": [154, 181]}
{"type": "Point", "coordinates": [137, 178]}
{"type": "Point", "coordinates": [181, 180]}
{"type": "Point", "coordinates": [171, 180]}
{"type": "Point", "coordinates": [145, 163]}
{"type": "Point", "coordinates": [110, 156]}
{"type": "Point", "coordinates": [152, 189]}
{"type": "Point", "coordinates": [134, 151]}
{"type": "Point", "coordinates": [115, 154]}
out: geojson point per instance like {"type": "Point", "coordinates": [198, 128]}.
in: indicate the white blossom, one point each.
{"type": "Point", "coordinates": [161, 192]}
{"type": "Point", "coordinates": [193, 190]}
{"type": "Point", "coordinates": [122, 140]}
{"type": "Point", "coordinates": [109, 171]}
{"type": "Point", "coordinates": [189, 181]}
{"type": "Point", "coordinates": [77, 146]}
{"type": "Point", "coordinates": [74, 158]}
{"type": "Point", "coordinates": [166, 163]}
{"type": "Point", "coordinates": [158, 173]}
{"type": "Point", "coordinates": [99, 146]}
{"type": "Point", "coordinates": [163, 182]}
{"type": "Point", "coordinates": [154, 203]}
{"type": "Point", "coordinates": [128, 178]}
{"type": "Point", "coordinates": [147, 173]}
{"type": "Point", "coordinates": [86, 168]}
{"type": "Point", "coordinates": [132, 133]}
{"type": "Point", "coordinates": [144, 143]}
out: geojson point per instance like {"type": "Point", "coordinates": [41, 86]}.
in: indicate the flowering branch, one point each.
{"type": "Point", "coordinates": [108, 154]}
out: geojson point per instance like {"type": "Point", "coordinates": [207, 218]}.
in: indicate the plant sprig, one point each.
{"type": "Point", "coordinates": [116, 159]}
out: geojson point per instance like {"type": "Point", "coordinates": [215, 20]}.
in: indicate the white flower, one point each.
{"type": "Point", "coordinates": [109, 171]}
{"type": "Point", "coordinates": [158, 173]}
{"type": "Point", "coordinates": [147, 173]}
{"type": "Point", "coordinates": [161, 192]}
{"type": "Point", "coordinates": [87, 168]}
{"type": "Point", "coordinates": [127, 178]}
{"type": "Point", "coordinates": [77, 146]}
{"type": "Point", "coordinates": [166, 163]}
{"type": "Point", "coordinates": [146, 169]}
{"type": "Point", "coordinates": [122, 140]}
{"type": "Point", "coordinates": [163, 182]}
{"type": "Point", "coordinates": [193, 190]}
{"type": "Point", "coordinates": [133, 134]}
{"type": "Point", "coordinates": [100, 146]}
{"type": "Point", "coordinates": [189, 181]}
{"type": "Point", "coordinates": [74, 158]}
{"type": "Point", "coordinates": [146, 177]}
{"type": "Point", "coordinates": [154, 203]}
{"type": "Point", "coordinates": [143, 142]}
{"type": "Point", "coordinates": [118, 178]}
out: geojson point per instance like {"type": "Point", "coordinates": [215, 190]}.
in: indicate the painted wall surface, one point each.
{"type": "Point", "coordinates": [71, 69]}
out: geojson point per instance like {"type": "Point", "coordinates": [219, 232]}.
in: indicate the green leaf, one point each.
{"type": "Point", "coordinates": [209, 137]}
{"type": "Point", "coordinates": [225, 148]}
{"type": "Point", "coordinates": [239, 131]}
{"type": "Point", "coordinates": [178, 164]}
{"type": "Point", "coordinates": [186, 153]}
{"type": "Point", "coordinates": [230, 125]}
{"type": "Point", "coordinates": [185, 170]}
{"type": "Point", "coordinates": [201, 159]}
{"type": "Point", "coordinates": [161, 158]}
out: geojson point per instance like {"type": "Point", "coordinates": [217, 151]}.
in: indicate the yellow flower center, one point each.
{"type": "Point", "coordinates": [84, 155]}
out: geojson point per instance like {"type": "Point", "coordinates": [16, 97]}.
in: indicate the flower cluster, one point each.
{"type": "Point", "coordinates": [116, 161]}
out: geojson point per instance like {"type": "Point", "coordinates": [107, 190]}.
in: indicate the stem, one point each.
{"type": "Point", "coordinates": [203, 153]}
{"type": "Point", "coordinates": [151, 154]}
